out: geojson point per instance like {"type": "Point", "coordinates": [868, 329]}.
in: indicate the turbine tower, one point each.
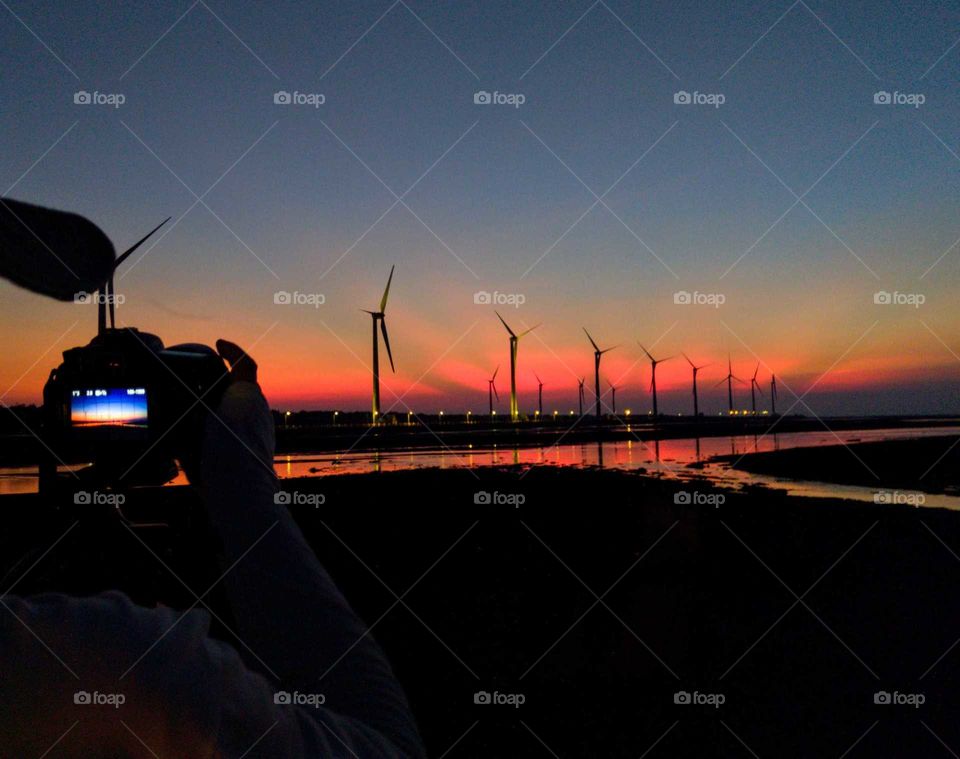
{"type": "Point", "coordinates": [492, 390]}
{"type": "Point", "coordinates": [653, 375]}
{"type": "Point", "coordinates": [597, 353]}
{"type": "Point", "coordinates": [773, 395]}
{"type": "Point", "coordinates": [514, 340]}
{"type": "Point", "coordinates": [754, 389]}
{"type": "Point", "coordinates": [580, 393]}
{"type": "Point", "coordinates": [379, 316]}
{"type": "Point", "coordinates": [613, 399]}
{"type": "Point", "coordinates": [539, 395]}
{"type": "Point", "coordinates": [696, 400]}
{"type": "Point", "coordinates": [108, 294]}
{"type": "Point", "coordinates": [729, 380]}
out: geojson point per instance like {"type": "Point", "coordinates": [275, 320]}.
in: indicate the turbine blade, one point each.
{"type": "Point", "coordinates": [607, 350]}
{"type": "Point", "coordinates": [688, 360]}
{"type": "Point", "coordinates": [527, 332]}
{"type": "Point", "coordinates": [721, 382]}
{"type": "Point", "coordinates": [386, 341]}
{"type": "Point", "coordinates": [756, 371]}
{"type": "Point", "coordinates": [645, 351]}
{"type": "Point", "coordinates": [505, 324]}
{"type": "Point", "coordinates": [592, 342]}
{"type": "Point", "coordinates": [495, 393]}
{"type": "Point", "coordinates": [126, 254]}
{"type": "Point", "coordinates": [495, 373]}
{"type": "Point", "coordinates": [386, 292]}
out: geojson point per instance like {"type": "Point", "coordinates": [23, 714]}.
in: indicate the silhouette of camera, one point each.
{"type": "Point", "coordinates": [82, 498]}
{"type": "Point", "coordinates": [681, 697]}
{"type": "Point", "coordinates": [482, 497]}
{"type": "Point", "coordinates": [282, 298]}
{"type": "Point", "coordinates": [82, 697]}
{"type": "Point", "coordinates": [482, 697]}
{"type": "Point", "coordinates": [282, 697]}
{"type": "Point", "coordinates": [282, 97]}
{"type": "Point", "coordinates": [682, 97]}
{"type": "Point", "coordinates": [682, 498]}
{"type": "Point", "coordinates": [282, 498]}
{"type": "Point", "coordinates": [82, 97]}
{"type": "Point", "coordinates": [482, 97]}
{"type": "Point", "coordinates": [882, 97]}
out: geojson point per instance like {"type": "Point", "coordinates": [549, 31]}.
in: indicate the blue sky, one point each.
{"type": "Point", "coordinates": [501, 207]}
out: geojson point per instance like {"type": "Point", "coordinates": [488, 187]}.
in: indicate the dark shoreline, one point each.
{"type": "Point", "coordinates": [930, 464]}
{"type": "Point", "coordinates": [692, 598]}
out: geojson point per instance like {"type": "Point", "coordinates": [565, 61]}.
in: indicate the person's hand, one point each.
{"type": "Point", "coordinates": [242, 367]}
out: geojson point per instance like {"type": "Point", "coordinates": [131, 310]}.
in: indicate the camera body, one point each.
{"type": "Point", "coordinates": [129, 406]}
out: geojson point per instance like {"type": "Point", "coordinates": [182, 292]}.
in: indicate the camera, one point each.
{"type": "Point", "coordinates": [128, 406]}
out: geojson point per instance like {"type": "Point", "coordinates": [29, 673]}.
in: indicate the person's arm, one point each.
{"type": "Point", "coordinates": [297, 625]}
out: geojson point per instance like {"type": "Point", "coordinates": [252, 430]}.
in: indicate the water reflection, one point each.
{"type": "Point", "coordinates": [679, 459]}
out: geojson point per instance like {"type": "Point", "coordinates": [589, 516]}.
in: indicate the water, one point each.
{"type": "Point", "coordinates": [669, 459]}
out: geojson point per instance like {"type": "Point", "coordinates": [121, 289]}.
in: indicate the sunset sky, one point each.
{"type": "Point", "coordinates": [692, 198]}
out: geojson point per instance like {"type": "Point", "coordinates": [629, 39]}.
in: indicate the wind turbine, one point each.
{"type": "Point", "coordinates": [539, 396]}
{"type": "Point", "coordinates": [597, 353]}
{"type": "Point", "coordinates": [754, 386]}
{"type": "Point", "coordinates": [653, 375]}
{"type": "Point", "coordinates": [492, 390]}
{"type": "Point", "coordinates": [773, 394]}
{"type": "Point", "coordinates": [696, 369]}
{"type": "Point", "coordinates": [514, 340]}
{"type": "Point", "coordinates": [729, 380]}
{"type": "Point", "coordinates": [108, 292]}
{"type": "Point", "coordinates": [580, 393]}
{"type": "Point", "coordinates": [379, 316]}
{"type": "Point", "coordinates": [613, 399]}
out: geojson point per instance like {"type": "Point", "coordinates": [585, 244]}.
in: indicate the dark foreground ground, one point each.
{"type": "Point", "coordinates": [929, 464]}
{"type": "Point", "coordinates": [600, 598]}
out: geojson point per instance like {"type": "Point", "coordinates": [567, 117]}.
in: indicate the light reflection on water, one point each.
{"type": "Point", "coordinates": [665, 458]}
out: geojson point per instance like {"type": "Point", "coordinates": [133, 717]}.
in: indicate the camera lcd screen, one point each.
{"type": "Point", "coordinates": [123, 407]}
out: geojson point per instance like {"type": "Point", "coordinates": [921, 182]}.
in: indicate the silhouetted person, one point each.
{"type": "Point", "coordinates": [63, 660]}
